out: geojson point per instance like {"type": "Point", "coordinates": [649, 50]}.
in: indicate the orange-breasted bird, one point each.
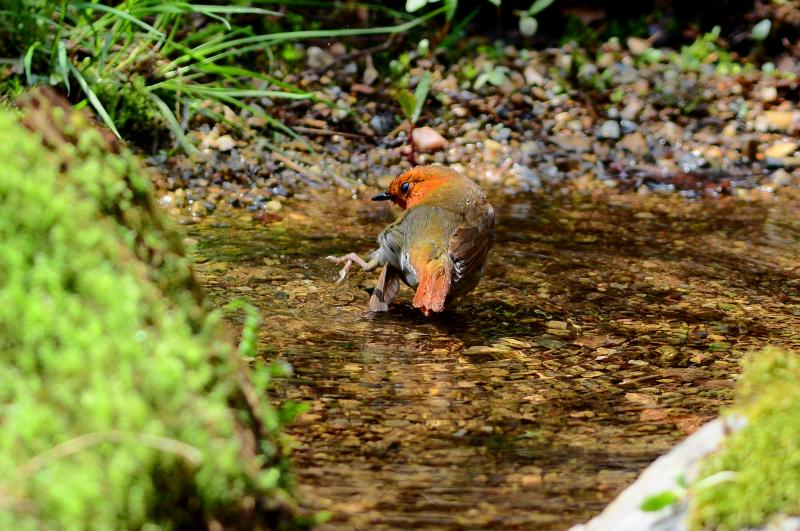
{"type": "Point", "coordinates": [439, 244]}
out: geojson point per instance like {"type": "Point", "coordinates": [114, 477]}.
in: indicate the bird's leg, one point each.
{"type": "Point", "coordinates": [351, 258]}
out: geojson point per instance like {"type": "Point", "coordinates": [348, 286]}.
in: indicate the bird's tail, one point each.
{"type": "Point", "coordinates": [434, 284]}
{"type": "Point", "coordinates": [385, 290]}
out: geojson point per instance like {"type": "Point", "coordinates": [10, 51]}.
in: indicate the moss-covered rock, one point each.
{"type": "Point", "coordinates": [757, 472]}
{"type": "Point", "coordinates": [121, 404]}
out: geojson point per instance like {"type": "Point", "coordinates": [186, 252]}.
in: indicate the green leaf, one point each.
{"type": "Point", "coordinates": [528, 26]}
{"type": "Point", "coordinates": [172, 123]}
{"type": "Point", "coordinates": [290, 410]}
{"type": "Point", "coordinates": [92, 97]}
{"type": "Point", "coordinates": [494, 75]}
{"type": "Point", "coordinates": [420, 95]}
{"type": "Point", "coordinates": [457, 32]}
{"type": "Point", "coordinates": [761, 30]}
{"type": "Point", "coordinates": [121, 14]}
{"type": "Point", "coordinates": [450, 8]}
{"type": "Point", "coordinates": [495, 2]}
{"type": "Point", "coordinates": [407, 103]}
{"type": "Point", "coordinates": [658, 501]}
{"type": "Point", "coordinates": [62, 64]}
{"type": "Point", "coordinates": [414, 5]}
{"type": "Point", "coordinates": [539, 6]}
{"type": "Point", "coordinates": [28, 60]}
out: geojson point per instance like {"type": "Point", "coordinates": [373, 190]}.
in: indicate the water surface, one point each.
{"type": "Point", "coordinates": [605, 330]}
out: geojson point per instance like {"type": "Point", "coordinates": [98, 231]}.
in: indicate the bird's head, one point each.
{"type": "Point", "coordinates": [411, 187]}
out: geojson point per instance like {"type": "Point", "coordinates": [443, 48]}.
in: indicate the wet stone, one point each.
{"type": "Point", "coordinates": [609, 129]}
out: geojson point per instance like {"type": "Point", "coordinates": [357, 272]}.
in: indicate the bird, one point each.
{"type": "Point", "coordinates": [438, 246]}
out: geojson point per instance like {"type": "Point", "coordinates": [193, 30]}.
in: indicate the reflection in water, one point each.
{"type": "Point", "coordinates": [603, 332]}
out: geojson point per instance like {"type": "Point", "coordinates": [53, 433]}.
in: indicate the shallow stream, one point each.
{"type": "Point", "coordinates": [605, 330]}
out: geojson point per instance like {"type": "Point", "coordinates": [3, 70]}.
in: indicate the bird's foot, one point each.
{"type": "Point", "coordinates": [349, 259]}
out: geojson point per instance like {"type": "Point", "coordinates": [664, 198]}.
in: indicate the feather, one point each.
{"type": "Point", "coordinates": [434, 285]}
{"type": "Point", "coordinates": [385, 290]}
{"type": "Point", "coordinates": [468, 248]}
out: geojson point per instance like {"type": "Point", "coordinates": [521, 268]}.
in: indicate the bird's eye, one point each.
{"type": "Point", "coordinates": [404, 187]}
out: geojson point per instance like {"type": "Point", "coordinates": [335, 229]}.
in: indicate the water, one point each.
{"type": "Point", "coordinates": [604, 331]}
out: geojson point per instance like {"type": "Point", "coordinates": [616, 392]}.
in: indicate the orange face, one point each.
{"type": "Point", "coordinates": [411, 187]}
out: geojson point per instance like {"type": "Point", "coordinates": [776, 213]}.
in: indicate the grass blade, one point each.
{"type": "Point", "coordinates": [121, 14]}
{"type": "Point", "coordinates": [28, 60]}
{"type": "Point", "coordinates": [62, 64]}
{"type": "Point", "coordinates": [237, 46]}
{"type": "Point", "coordinates": [420, 95]}
{"type": "Point", "coordinates": [92, 97]}
{"type": "Point", "coordinates": [173, 124]}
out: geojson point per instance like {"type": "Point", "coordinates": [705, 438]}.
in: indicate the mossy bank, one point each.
{"type": "Point", "coordinates": [755, 478]}
{"type": "Point", "coordinates": [123, 405]}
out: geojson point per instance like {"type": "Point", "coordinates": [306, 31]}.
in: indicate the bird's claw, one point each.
{"type": "Point", "coordinates": [345, 270]}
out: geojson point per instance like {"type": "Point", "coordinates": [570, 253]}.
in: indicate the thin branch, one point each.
{"type": "Point", "coordinates": [89, 440]}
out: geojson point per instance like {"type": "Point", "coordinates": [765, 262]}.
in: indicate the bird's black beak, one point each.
{"type": "Point", "coordinates": [383, 196]}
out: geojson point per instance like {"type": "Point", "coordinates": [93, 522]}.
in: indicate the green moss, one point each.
{"type": "Point", "coordinates": [764, 455]}
{"type": "Point", "coordinates": [122, 405]}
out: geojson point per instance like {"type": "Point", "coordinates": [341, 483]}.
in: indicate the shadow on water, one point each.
{"type": "Point", "coordinates": [603, 332]}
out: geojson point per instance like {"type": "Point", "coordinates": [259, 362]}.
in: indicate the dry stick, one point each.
{"type": "Point", "coordinates": [292, 165]}
{"type": "Point", "coordinates": [353, 55]}
{"type": "Point", "coordinates": [85, 441]}
{"type": "Point", "coordinates": [408, 150]}
{"type": "Point", "coordinates": [590, 107]}
{"type": "Point", "coordinates": [326, 132]}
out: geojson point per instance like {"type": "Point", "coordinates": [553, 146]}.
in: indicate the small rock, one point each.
{"type": "Point", "coordinates": [730, 130]}
{"type": "Point", "coordinates": [530, 480]}
{"type": "Point", "coordinates": [502, 134]}
{"type": "Point", "coordinates": [318, 58]}
{"type": "Point", "coordinates": [359, 88]}
{"type": "Point", "coordinates": [628, 126]}
{"type": "Point", "coordinates": [533, 77]}
{"type": "Point", "coordinates": [775, 120]}
{"type": "Point", "coordinates": [635, 143]}
{"type": "Point", "coordinates": [179, 197]}
{"type": "Point", "coordinates": [652, 415]}
{"type": "Point", "coordinates": [337, 49]}
{"type": "Point", "coordinates": [529, 148]}
{"type": "Point", "coordinates": [198, 209]}
{"type": "Point", "coordinates": [637, 45]}
{"type": "Point", "coordinates": [459, 111]}
{"type": "Point", "coordinates": [768, 94]}
{"type": "Point", "coordinates": [631, 110]}
{"type": "Point", "coordinates": [427, 139]}
{"type": "Point", "coordinates": [274, 206]}
{"type": "Point", "coordinates": [641, 398]}
{"type": "Point", "coordinates": [574, 143]}
{"type": "Point", "coordinates": [603, 351]}
{"type": "Point", "coordinates": [609, 129]}
{"type": "Point", "coordinates": [381, 124]}
{"type": "Point", "coordinates": [780, 149]}
{"type": "Point", "coordinates": [225, 143]}
{"type": "Point", "coordinates": [781, 177]}
{"type": "Point", "coordinates": [350, 69]}
{"type": "Point", "coordinates": [370, 75]}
